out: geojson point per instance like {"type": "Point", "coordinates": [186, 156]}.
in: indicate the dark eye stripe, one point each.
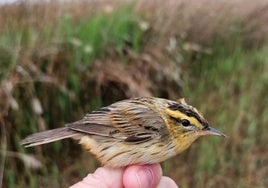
{"type": "Point", "coordinates": [184, 122]}
{"type": "Point", "coordinates": [186, 111]}
{"type": "Point", "coordinates": [175, 119]}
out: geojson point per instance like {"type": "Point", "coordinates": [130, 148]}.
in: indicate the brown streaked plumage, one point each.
{"type": "Point", "coordinates": [141, 130]}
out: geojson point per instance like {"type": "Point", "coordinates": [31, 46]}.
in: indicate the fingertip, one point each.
{"type": "Point", "coordinates": [167, 182]}
{"type": "Point", "coordinates": [138, 176]}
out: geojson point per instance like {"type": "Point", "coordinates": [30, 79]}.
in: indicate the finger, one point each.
{"type": "Point", "coordinates": [144, 176]}
{"type": "Point", "coordinates": [167, 182]}
{"type": "Point", "coordinates": [103, 177]}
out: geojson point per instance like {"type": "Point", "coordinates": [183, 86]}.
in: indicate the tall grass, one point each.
{"type": "Point", "coordinates": [59, 61]}
{"type": "Point", "coordinates": [46, 82]}
{"type": "Point", "coordinates": [93, 37]}
{"type": "Point", "coordinates": [225, 63]}
{"type": "Point", "coordinates": [230, 86]}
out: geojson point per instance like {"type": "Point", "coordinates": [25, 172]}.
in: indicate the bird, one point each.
{"type": "Point", "coordinates": [142, 130]}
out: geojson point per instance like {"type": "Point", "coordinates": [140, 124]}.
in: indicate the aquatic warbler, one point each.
{"type": "Point", "coordinates": [141, 130]}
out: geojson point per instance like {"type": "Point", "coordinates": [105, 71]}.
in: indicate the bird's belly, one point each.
{"type": "Point", "coordinates": [117, 153]}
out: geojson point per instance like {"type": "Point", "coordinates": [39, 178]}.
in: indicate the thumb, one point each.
{"type": "Point", "coordinates": [145, 176]}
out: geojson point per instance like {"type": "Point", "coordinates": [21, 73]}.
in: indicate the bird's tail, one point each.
{"type": "Point", "coordinates": [49, 136]}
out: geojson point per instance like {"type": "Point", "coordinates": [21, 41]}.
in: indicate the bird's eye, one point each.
{"type": "Point", "coordinates": [185, 122]}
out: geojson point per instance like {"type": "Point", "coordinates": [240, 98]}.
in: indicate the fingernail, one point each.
{"type": "Point", "coordinates": [145, 177]}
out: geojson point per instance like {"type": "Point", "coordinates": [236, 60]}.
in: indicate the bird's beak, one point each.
{"type": "Point", "coordinates": [212, 131]}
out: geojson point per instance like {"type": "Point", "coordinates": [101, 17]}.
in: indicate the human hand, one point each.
{"type": "Point", "coordinates": [135, 176]}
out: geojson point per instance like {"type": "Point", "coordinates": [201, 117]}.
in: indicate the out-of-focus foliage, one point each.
{"type": "Point", "coordinates": [61, 60]}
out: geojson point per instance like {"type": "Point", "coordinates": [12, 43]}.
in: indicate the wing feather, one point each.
{"type": "Point", "coordinates": [124, 120]}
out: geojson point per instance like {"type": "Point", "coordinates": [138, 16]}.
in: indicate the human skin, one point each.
{"type": "Point", "coordinates": [134, 176]}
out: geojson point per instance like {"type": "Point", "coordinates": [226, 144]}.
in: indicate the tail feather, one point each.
{"type": "Point", "coordinates": [48, 136]}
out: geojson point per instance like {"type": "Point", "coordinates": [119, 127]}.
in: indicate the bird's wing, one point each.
{"type": "Point", "coordinates": [125, 120]}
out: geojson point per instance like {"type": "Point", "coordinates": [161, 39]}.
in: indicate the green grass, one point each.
{"type": "Point", "coordinates": [62, 53]}
{"type": "Point", "coordinates": [230, 87]}
{"type": "Point", "coordinates": [54, 64]}
{"type": "Point", "coordinates": [94, 37]}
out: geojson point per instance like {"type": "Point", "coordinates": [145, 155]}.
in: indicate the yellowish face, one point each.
{"type": "Point", "coordinates": [186, 124]}
{"type": "Point", "coordinates": [180, 117]}
{"type": "Point", "coordinates": [184, 121]}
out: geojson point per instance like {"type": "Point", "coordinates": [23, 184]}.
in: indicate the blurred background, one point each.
{"type": "Point", "coordinates": [62, 59]}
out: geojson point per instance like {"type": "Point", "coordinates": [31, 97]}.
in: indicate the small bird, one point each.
{"type": "Point", "coordinates": [142, 130]}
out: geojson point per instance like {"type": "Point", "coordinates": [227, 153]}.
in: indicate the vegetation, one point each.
{"type": "Point", "coordinates": [61, 60]}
